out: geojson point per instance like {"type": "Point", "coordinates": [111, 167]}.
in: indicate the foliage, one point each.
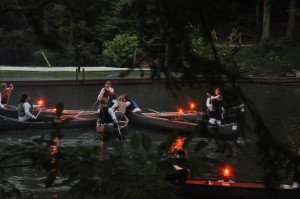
{"type": "Point", "coordinates": [120, 52]}
{"type": "Point", "coordinates": [204, 50]}
{"type": "Point", "coordinates": [270, 58]}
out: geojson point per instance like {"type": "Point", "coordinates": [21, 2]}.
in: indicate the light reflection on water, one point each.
{"type": "Point", "coordinates": [273, 102]}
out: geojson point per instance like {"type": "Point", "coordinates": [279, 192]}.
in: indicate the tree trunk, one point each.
{"type": "Point", "coordinates": [292, 16]}
{"type": "Point", "coordinates": [257, 16]}
{"type": "Point", "coordinates": [266, 20]}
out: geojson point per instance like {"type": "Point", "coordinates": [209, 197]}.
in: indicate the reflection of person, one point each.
{"type": "Point", "coordinates": [106, 91]}
{"type": "Point", "coordinates": [25, 108]}
{"type": "Point", "coordinates": [5, 92]}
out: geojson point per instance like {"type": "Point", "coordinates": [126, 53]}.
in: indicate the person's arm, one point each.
{"type": "Point", "coordinates": [208, 104]}
{"type": "Point", "coordinates": [113, 115]}
{"type": "Point", "coordinates": [115, 106]}
{"type": "Point", "coordinates": [100, 94]}
{"type": "Point", "coordinates": [127, 103]}
{"type": "Point", "coordinates": [111, 90]}
{"type": "Point", "coordinates": [26, 110]}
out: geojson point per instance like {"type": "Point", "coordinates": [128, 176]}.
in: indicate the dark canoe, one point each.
{"type": "Point", "coordinates": [12, 112]}
{"type": "Point", "coordinates": [230, 130]}
{"type": "Point", "coordinates": [109, 132]}
{"type": "Point", "coordinates": [230, 115]}
{"type": "Point", "coordinates": [83, 120]}
{"type": "Point", "coordinates": [211, 189]}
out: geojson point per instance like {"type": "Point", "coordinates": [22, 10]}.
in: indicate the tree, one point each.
{"type": "Point", "coordinates": [266, 20]}
{"type": "Point", "coordinates": [292, 16]}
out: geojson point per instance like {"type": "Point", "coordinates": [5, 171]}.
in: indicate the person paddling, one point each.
{"type": "Point", "coordinates": [5, 93]}
{"type": "Point", "coordinates": [25, 108]}
{"type": "Point", "coordinates": [106, 91]}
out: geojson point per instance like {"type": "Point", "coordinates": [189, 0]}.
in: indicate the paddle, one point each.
{"type": "Point", "coordinates": [94, 105]}
{"type": "Point", "coordinates": [153, 110]}
{"type": "Point", "coordinates": [35, 118]}
{"type": "Point", "coordinates": [78, 114]}
{"type": "Point", "coordinates": [121, 137]}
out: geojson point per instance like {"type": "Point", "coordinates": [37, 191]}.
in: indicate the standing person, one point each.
{"type": "Point", "coordinates": [132, 105]}
{"type": "Point", "coordinates": [218, 96]}
{"type": "Point", "coordinates": [5, 92]}
{"type": "Point", "coordinates": [106, 91]}
{"type": "Point", "coordinates": [214, 35]}
{"type": "Point", "coordinates": [25, 108]}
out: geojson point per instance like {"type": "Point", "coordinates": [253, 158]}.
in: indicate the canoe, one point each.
{"type": "Point", "coordinates": [208, 189]}
{"type": "Point", "coordinates": [109, 132]}
{"type": "Point", "coordinates": [231, 115]}
{"type": "Point", "coordinates": [84, 120]}
{"type": "Point", "coordinates": [230, 130]}
{"type": "Point", "coordinates": [12, 112]}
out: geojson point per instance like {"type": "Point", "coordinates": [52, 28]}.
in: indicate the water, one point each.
{"type": "Point", "coordinates": [277, 104]}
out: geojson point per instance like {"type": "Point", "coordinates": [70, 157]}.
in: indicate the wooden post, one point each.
{"type": "Point", "coordinates": [76, 76]}
{"type": "Point", "coordinates": [83, 76]}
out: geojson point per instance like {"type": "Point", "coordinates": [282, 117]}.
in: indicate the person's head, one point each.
{"type": "Point", "coordinates": [103, 102]}
{"type": "Point", "coordinates": [25, 96]}
{"type": "Point", "coordinates": [127, 98]}
{"type": "Point", "coordinates": [121, 98]}
{"type": "Point", "coordinates": [113, 96]}
{"type": "Point", "coordinates": [3, 86]}
{"type": "Point", "coordinates": [217, 91]}
{"type": "Point", "coordinates": [108, 83]}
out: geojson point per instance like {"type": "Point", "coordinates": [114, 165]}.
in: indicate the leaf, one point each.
{"type": "Point", "coordinates": [135, 141]}
{"type": "Point", "coordinates": [146, 142]}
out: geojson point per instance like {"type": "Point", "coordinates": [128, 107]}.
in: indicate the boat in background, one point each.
{"type": "Point", "coordinates": [210, 189]}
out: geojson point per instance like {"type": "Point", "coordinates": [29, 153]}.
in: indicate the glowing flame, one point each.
{"type": "Point", "coordinates": [177, 145]}
{"type": "Point", "coordinates": [180, 111]}
{"type": "Point", "coordinates": [192, 105]}
{"type": "Point", "coordinates": [40, 102]}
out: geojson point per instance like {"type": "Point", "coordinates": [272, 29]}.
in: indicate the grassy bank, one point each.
{"type": "Point", "coordinates": [62, 74]}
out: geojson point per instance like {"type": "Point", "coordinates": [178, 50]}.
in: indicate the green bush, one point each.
{"type": "Point", "coordinates": [204, 50]}
{"type": "Point", "coordinates": [275, 58]}
{"type": "Point", "coordinates": [121, 50]}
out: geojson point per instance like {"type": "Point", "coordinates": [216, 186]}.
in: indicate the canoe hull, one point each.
{"type": "Point", "coordinates": [228, 130]}
{"type": "Point", "coordinates": [209, 189]}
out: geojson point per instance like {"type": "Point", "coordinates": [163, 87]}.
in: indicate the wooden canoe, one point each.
{"type": "Point", "coordinates": [211, 189]}
{"type": "Point", "coordinates": [109, 132]}
{"type": "Point", "coordinates": [81, 121]}
{"type": "Point", "coordinates": [230, 130]}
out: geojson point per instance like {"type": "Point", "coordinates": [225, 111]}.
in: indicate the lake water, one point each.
{"type": "Point", "coordinates": [277, 104]}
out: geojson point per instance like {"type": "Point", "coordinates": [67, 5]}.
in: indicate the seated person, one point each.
{"type": "Point", "coordinates": [25, 108]}
{"type": "Point", "coordinates": [106, 115]}
{"type": "Point", "coordinates": [132, 105]}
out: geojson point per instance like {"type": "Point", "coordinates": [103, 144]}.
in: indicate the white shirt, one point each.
{"type": "Point", "coordinates": [1, 105]}
{"type": "Point", "coordinates": [27, 115]}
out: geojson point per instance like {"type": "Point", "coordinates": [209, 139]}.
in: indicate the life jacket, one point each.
{"type": "Point", "coordinates": [106, 93]}
{"type": "Point", "coordinates": [132, 105]}
{"type": "Point", "coordinates": [121, 106]}
{"type": "Point", "coordinates": [105, 116]}
{"type": "Point", "coordinates": [21, 111]}
{"type": "Point", "coordinates": [110, 103]}
{"type": "Point", "coordinates": [217, 113]}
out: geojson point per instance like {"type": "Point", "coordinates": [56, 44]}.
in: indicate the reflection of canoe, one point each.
{"type": "Point", "coordinates": [108, 131]}
{"type": "Point", "coordinates": [168, 123]}
{"type": "Point", "coordinates": [208, 189]}
{"type": "Point", "coordinates": [83, 120]}
{"type": "Point", "coordinates": [12, 112]}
